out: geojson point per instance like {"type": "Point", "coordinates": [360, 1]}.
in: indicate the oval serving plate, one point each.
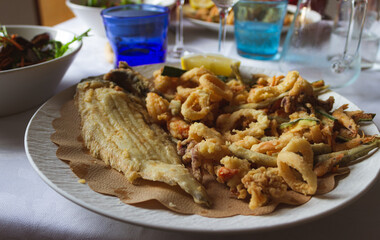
{"type": "Point", "coordinates": [312, 16]}
{"type": "Point", "coordinates": [41, 153]}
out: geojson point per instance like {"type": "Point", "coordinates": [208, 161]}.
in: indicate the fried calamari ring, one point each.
{"type": "Point", "coordinates": [192, 76]}
{"type": "Point", "coordinates": [302, 147]}
{"type": "Point", "coordinates": [257, 122]}
{"type": "Point", "coordinates": [218, 88]}
{"type": "Point", "coordinates": [196, 106]}
{"type": "Point", "coordinates": [183, 93]}
{"type": "Point", "coordinates": [298, 155]}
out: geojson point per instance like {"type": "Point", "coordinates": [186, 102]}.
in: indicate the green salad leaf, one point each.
{"type": "Point", "coordinates": [60, 48]}
{"type": "Point", "coordinates": [3, 31]}
{"type": "Point", "coordinates": [109, 3]}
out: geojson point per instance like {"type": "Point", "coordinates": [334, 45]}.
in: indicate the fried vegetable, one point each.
{"type": "Point", "coordinates": [236, 72]}
{"type": "Point", "coordinates": [252, 156]}
{"type": "Point", "coordinates": [266, 103]}
{"type": "Point", "coordinates": [321, 148]}
{"type": "Point", "coordinates": [326, 166]}
{"type": "Point", "coordinates": [343, 138]}
{"type": "Point", "coordinates": [353, 143]}
{"type": "Point", "coordinates": [324, 113]}
{"type": "Point", "coordinates": [349, 155]}
{"type": "Point", "coordinates": [360, 116]}
{"type": "Point", "coordinates": [300, 122]}
{"type": "Point", "coordinates": [172, 71]}
{"type": "Point", "coordinates": [366, 117]}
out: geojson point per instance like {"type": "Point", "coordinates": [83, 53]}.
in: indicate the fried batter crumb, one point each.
{"type": "Point", "coordinates": [83, 181]}
{"type": "Point", "coordinates": [264, 185]}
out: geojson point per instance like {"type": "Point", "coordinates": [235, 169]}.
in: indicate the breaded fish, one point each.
{"type": "Point", "coordinates": [116, 129]}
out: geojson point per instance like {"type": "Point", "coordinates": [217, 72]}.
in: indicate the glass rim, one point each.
{"type": "Point", "coordinates": [165, 11]}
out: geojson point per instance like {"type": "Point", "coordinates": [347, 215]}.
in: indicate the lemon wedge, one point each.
{"type": "Point", "coordinates": [218, 64]}
{"type": "Point", "coordinates": [196, 4]}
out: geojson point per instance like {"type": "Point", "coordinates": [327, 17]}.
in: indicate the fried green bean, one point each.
{"type": "Point", "coordinates": [252, 156]}
{"type": "Point", "coordinates": [349, 155]}
{"type": "Point", "coordinates": [321, 148]}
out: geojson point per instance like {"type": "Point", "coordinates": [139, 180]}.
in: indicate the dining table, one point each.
{"type": "Point", "coordinates": [30, 209]}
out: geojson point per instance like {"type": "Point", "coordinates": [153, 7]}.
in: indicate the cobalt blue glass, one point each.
{"type": "Point", "coordinates": [137, 33]}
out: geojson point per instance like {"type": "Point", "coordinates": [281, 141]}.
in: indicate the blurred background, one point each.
{"type": "Point", "coordinates": [52, 12]}
{"type": "Point", "coordinates": [34, 12]}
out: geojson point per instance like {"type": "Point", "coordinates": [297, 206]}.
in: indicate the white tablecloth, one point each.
{"type": "Point", "coordinates": [30, 209]}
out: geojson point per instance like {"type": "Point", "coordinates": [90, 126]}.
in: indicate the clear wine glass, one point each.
{"type": "Point", "coordinates": [178, 50]}
{"type": "Point", "coordinates": [224, 7]}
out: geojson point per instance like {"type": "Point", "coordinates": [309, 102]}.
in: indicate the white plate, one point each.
{"type": "Point", "coordinates": [313, 16]}
{"type": "Point", "coordinates": [41, 153]}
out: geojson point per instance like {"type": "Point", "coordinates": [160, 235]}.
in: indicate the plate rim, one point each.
{"type": "Point", "coordinates": [96, 209]}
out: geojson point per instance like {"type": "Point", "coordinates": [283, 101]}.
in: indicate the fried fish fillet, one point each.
{"type": "Point", "coordinates": [115, 128]}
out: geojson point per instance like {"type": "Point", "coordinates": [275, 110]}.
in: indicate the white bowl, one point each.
{"type": "Point", "coordinates": [27, 87]}
{"type": "Point", "coordinates": [91, 15]}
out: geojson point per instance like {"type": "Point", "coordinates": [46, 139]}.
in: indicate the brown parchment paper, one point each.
{"type": "Point", "coordinates": [148, 194]}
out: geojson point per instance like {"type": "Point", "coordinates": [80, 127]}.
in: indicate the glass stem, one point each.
{"type": "Point", "coordinates": [178, 47]}
{"type": "Point", "coordinates": [223, 13]}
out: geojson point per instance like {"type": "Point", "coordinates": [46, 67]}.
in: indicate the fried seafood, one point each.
{"type": "Point", "coordinates": [207, 146]}
{"type": "Point", "coordinates": [196, 106]}
{"type": "Point", "coordinates": [191, 77]}
{"type": "Point", "coordinates": [130, 80]}
{"type": "Point", "coordinates": [295, 165]}
{"type": "Point", "coordinates": [271, 137]}
{"type": "Point", "coordinates": [158, 107]}
{"type": "Point", "coordinates": [252, 122]}
{"type": "Point", "coordinates": [347, 121]}
{"type": "Point", "coordinates": [260, 94]}
{"type": "Point", "coordinates": [231, 173]}
{"type": "Point", "coordinates": [219, 90]}
{"type": "Point", "coordinates": [273, 146]}
{"type": "Point", "coordinates": [116, 130]}
{"type": "Point", "coordinates": [264, 185]}
{"type": "Point", "coordinates": [263, 140]}
{"type": "Point", "coordinates": [178, 128]}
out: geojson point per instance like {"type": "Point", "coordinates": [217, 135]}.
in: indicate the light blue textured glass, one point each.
{"type": "Point", "coordinates": [258, 26]}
